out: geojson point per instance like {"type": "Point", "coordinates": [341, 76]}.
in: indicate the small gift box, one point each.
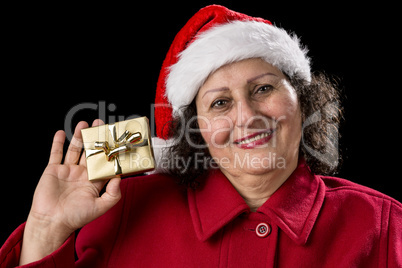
{"type": "Point", "coordinates": [119, 149]}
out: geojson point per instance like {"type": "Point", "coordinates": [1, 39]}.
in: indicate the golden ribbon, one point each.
{"type": "Point", "coordinates": [126, 142]}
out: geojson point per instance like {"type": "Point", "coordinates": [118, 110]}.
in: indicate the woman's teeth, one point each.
{"type": "Point", "coordinates": [260, 136]}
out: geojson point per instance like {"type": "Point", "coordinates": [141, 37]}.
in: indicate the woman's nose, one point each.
{"type": "Point", "coordinates": [245, 113]}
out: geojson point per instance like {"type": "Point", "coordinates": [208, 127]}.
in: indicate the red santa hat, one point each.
{"type": "Point", "coordinates": [213, 37]}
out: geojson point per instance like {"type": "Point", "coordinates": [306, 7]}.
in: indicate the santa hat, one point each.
{"type": "Point", "coordinates": [213, 37]}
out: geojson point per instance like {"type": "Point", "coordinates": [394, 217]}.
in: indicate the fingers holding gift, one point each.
{"type": "Point", "coordinates": [95, 123]}
{"type": "Point", "coordinates": [75, 148]}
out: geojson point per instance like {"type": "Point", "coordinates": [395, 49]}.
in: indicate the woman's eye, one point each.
{"type": "Point", "coordinates": [219, 103]}
{"type": "Point", "coordinates": [264, 89]}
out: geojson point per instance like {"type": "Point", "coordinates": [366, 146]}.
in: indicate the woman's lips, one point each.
{"type": "Point", "coordinates": [255, 139]}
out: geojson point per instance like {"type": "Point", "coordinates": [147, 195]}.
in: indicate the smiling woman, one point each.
{"type": "Point", "coordinates": [252, 105]}
{"type": "Point", "coordinates": [251, 120]}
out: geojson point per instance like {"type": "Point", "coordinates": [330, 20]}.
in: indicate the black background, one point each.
{"type": "Point", "coordinates": [56, 57]}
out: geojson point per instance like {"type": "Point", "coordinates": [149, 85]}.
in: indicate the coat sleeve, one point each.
{"type": "Point", "coordinates": [11, 250]}
{"type": "Point", "coordinates": [395, 235]}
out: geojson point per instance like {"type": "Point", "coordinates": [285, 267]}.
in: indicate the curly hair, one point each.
{"type": "Point", "coordinates": [322, 113]}
{"type": "Point", "coordinates": [321, 116]}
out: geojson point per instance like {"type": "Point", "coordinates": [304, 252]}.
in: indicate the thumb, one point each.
{"type": "Point", "coordinates": [110, 197]}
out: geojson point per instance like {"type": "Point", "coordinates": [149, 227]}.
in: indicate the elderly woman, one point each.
{"type": "Point", "coordinates": [246, 127]}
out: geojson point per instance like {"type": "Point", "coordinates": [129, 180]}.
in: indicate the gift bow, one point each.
{"type": "Point", "coordinates": [126, 142]}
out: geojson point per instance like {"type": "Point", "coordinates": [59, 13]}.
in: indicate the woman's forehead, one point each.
{"type": "Point", "coordinates": [245, 72]}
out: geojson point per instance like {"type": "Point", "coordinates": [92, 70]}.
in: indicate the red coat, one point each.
{"type": "Point", "coordinates": [310, 221]}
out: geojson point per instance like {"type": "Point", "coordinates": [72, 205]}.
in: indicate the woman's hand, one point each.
{"type": "Point", "coordinates": [64, 199]}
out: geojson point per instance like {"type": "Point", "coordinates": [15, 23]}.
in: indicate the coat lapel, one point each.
{"type": "Point", "coordinates": [294, 207]}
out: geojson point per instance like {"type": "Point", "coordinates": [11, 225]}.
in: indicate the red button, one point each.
{"type": "Point", "coordinates": [263, 229]}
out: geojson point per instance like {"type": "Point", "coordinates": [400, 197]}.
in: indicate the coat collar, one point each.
{"type": "Point", "coordinates": [294, 207]}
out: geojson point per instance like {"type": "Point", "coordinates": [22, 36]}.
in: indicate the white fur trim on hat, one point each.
{"type": "Point", "coordinates": [231, 42]}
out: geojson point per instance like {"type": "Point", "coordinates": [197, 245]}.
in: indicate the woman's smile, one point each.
{"type": "Point", "coordinates": [254, 140]}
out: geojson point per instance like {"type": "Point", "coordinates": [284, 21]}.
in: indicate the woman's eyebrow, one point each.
{"type": "Point", "coordinates": [248, 81]}
{"type": "Point", "coordinates": [259, 76]}
{"type": "Point", "coordinates": [215, 90]}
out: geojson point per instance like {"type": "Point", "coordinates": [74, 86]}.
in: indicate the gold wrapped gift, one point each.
{"type": "Point", "coordinates": [119, 149]}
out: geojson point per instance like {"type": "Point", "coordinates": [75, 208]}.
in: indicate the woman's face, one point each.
{"type": "Point", "coordinates": [249, 117]}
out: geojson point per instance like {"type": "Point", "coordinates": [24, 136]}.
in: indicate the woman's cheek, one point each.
{"type": "Point", "coordinates": [216, 131]}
